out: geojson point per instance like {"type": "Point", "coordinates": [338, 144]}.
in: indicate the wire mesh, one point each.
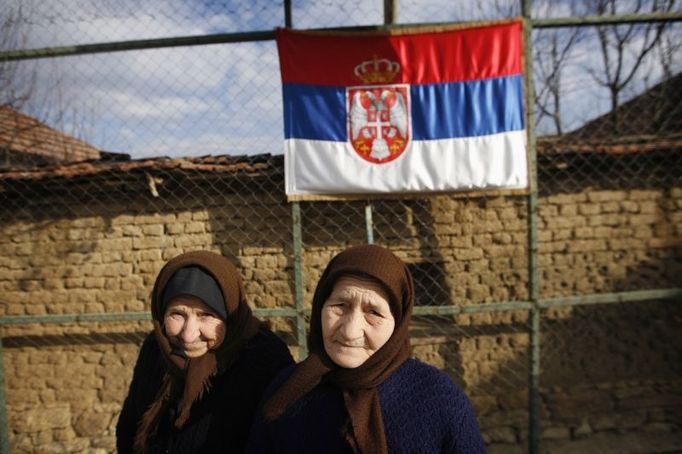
{"type": "Point", "coordinates": [611, 376]}
{"type": "Point", "coordinates": [84, 229]}
{"type": "Point", "coordinates": [606, 211]}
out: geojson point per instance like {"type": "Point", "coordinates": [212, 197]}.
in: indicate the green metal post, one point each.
{"type": "Point", "coordinates": [4, 426]}
{"type": "Point", "coordinates": [369, 223]}
{"type": "Point", "coordinates": [533, 276]}
{"type": "Point", "coordinates": [390, 16]}
{"type": "Point", "coordinates": [390, 11]}
{"type": "Point", "coordinates": [287, 13]}
{"type": "Point", "coordinates": [298, 280]}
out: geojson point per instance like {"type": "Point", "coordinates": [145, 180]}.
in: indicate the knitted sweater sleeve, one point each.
{"type": "Point", "coordinates": [425, 411]}
{"type": "Point", "coordinates": [143, 388]}
{"type": "Point", "coordinates": [465, 434]}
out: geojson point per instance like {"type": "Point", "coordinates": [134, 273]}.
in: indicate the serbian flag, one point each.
{"type": "Point", "coordinates": [403, 111]}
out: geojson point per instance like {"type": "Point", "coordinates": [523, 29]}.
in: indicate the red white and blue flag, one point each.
{"type": "Point", "coordinates": [403, 111]}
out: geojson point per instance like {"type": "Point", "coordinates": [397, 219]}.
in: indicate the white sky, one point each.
{"type": "Point", "coordinates": [218, 99]}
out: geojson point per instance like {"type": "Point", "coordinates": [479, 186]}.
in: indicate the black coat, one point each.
{"type": "Point", "coordinates": [220, 421]}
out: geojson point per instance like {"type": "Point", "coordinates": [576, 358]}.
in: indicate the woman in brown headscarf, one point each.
{"type": "Point", "coordinates": [202, 371]}
{"type": "Point", "coordinates": [359, 391]}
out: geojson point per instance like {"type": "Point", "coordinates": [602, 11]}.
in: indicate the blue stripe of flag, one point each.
{"type": "Point", "coordinates": [439, 111]}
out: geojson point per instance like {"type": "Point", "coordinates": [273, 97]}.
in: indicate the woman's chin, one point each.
{"type": "Point", "coordinates": [347, 360]}
{"type": "Point", "coordinates": [195, 352]}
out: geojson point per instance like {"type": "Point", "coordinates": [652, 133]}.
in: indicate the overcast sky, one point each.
{"type": "Point", "coordinates": [218, 99]}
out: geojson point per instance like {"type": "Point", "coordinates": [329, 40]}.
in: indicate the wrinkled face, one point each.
{"type": "Point", "coordinates": [193, 326]}
{"type": "Point", "coordinates": [356, 321]}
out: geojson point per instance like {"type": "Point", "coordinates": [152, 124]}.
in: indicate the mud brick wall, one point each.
{"type": "Point", "coordinates": [604, 369]}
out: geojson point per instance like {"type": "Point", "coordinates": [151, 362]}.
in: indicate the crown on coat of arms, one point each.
{"type": "Point", "coordinates": [377, 70]}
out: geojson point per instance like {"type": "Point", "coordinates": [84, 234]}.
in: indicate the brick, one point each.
{"type": "Point", "coordinates": [664, 242]}
{"type": "Point", "coordinates": [548, 211]}
{"type": "Point", "coordinates": [637, 194]}
{"type": "Point", "coordinates": [560, 199]}
{"type": "Point", "coordinates": [152, 243]}
{"type": "Point", "coordinates": [122, 244]}
{"type": "Point", "coordinates": [556, 433]}
{"type": "Point", "coordinates": [584, 232]}
{"type": "Point", "coordinates": [643, 219]}
{"type": "Point", "coordinates": [568, 210]}
{"type": "Point", "coordinates": [460, 241]}
{"type": "Point", "coordinates": [195, 227]}
{"type": "Point", "coordinates": [629, 206]}
{"type": "Point", "coordinates": [587, 245]}
{"type": "Point", "coordinates": [502, 238]}
{"type": "Point", "coordinates": [483, 240]}
{"type": "Point", "coordinates": [562, 234]}
{"type": "Point", "coordinates": [191, 241]}
{"type": "Point", "coordinates": [200, 216]}
{"type": "Point", "coordinates": [649, 207]}
{"type": "Point", "coordinates": [610, 207]}
{"type": "Point", "coordinates": [603, 196]}
{"type": "Point", "coordinates": [589, 209]}
{"type": "Point", "coordinates": [468, 254]}
{"type": "Point", "coordinates": [566, 222]}
{"type": "Point", "coordinates": [607, 219]}
{"type": "Point", "coordinates": [174, 229]}
{"type": "Point", "coordinates": [153, 230]}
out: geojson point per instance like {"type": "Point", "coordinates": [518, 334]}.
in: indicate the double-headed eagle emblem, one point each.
{"type": "Point", "coordinates": [378, 115]}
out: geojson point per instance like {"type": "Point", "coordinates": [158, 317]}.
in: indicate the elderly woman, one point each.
{"type": "Point", "coordinates": [201, 373]}
{"type": "Point", "coordinates": [359, 391]}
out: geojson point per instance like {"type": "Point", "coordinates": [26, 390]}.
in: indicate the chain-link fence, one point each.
{"type": "Point", "coordinates": [557, 309]}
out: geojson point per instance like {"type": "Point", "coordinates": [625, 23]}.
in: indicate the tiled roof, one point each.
{"type": "Point", "coordinates": [263, 164]}
{"type": "Point", "coordinates": [657, 111]}
{"type": "Point", "coordinates": [20, 133]}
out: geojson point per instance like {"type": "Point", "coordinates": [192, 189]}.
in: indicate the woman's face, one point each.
{"type": "Point", "coordinates": [356, 321]}
{"type": "Point", "coordinates": [193, 326]}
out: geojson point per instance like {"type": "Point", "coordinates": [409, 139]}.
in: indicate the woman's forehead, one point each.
{"type": "Point", "coordinates": [359, 284]}
{"type": "Point", "coordinates": [189, 301]}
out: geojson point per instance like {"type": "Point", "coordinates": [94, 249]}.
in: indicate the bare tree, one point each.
{"type": "Point", "coordinates": [668, 48]}
{"type": "Point", "coordinates": [551, 50]}
{"type": "Point", "coordinates": [551, 53]}
{"type": "Point", "coordinates": [625, 48]}
{"type": "Point", "coordinates": [16, 85]}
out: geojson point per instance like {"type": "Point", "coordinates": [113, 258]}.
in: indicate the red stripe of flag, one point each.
{"type": "Point", "coordinates": [325, 58]}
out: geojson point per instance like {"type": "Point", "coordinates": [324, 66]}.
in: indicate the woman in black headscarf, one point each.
{"type": "Point", "coordinates": [201, 373]}
{"type": "Point", "coordinates": [359, 391]}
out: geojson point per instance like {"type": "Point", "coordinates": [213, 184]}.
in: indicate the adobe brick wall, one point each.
{"type": "Point", "coordinates": [604, 368]}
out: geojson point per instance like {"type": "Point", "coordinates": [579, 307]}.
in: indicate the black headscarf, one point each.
{"type": "Point", "coordinates": [187, 379]}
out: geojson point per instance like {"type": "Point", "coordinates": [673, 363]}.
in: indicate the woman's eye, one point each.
{"type": "Point", "coordinates": [375, 313]}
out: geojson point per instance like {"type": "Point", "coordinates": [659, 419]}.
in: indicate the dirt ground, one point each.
{"type": "Point", "coordinates": [654, 443]}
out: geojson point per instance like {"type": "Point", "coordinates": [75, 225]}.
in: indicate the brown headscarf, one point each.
{"type": "Point", "coordinates": [365, 431]}
{"type": "Point", "coordinates": [187, 379]}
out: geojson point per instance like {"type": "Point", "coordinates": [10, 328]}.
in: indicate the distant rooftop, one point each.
{"type": "Point", "coordinates": [656, 112]}
{"type": "Point", "coordinates": [25, 140]}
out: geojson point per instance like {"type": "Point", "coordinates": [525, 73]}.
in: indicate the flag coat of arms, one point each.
{"type": "Point", "coordinates": [403, 110]}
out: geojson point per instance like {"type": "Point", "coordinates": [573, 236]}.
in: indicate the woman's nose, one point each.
{"type": "Point", "coordinates": [190, 331]}
{"type": "Point", "coordinates": [351, 327]}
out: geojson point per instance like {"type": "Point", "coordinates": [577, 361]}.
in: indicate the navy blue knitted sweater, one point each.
{"type": "Point", "coordinates": [423, 412]}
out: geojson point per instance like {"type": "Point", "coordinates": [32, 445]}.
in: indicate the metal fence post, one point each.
{"type": "Point", "coordinates": [533, 284]}
{"type": "Point", "coordinates": [4, 426]}
{"type": "Point", "coordinates": [369, 223]}
{"type": "Point", "coordinates": [298, 280]}
{"type": "Point", "coordinates": [390, 11]}
{"type": "Point", "coordinates": [287, 14]}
